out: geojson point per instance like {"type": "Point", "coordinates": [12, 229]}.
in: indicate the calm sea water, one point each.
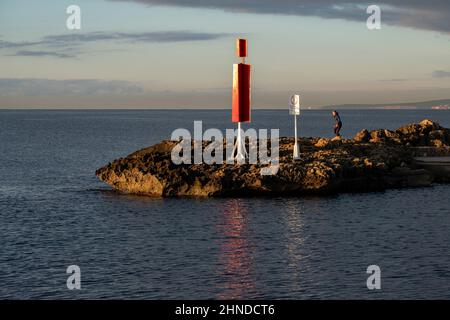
{"type": "Point", "coordinates": [54, 213]}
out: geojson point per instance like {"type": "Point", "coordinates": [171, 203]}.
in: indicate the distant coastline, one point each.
{"type": "Point", "coordinates": [422, 105]}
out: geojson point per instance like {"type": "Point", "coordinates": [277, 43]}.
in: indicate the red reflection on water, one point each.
{"type": "Point", "coordinates": [234, 259]}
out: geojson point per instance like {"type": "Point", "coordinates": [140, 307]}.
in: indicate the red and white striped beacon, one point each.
{"type": "Point", "coordinates": [241, 97]}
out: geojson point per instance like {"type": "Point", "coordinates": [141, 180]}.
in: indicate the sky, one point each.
{"type": "Point", "coordinates": [179, 53]}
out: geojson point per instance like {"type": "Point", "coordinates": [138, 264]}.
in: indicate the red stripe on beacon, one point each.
{"type": "Point", "coordinates": [241, 85]}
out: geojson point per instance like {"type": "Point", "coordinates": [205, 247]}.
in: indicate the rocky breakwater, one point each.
{"type": "Point", "coordinates": [371, 161]}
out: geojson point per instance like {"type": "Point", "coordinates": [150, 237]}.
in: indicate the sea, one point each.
{"type": "Point", "coordinates": [55, 213]}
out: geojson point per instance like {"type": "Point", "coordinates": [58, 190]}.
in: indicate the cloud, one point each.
{"type": "Point", "coordinates": [14, 45]}
{"type": "Point", "coordinates": [10, 87]}
{"type": "Point", "coordinates": [59, 43]}
{"type": "Point", "coordinates": [160, 36]}
{"type": "Point", "coordinates": [26, 53]}
{"type": "Point", "coordinates": [441, 74]}
{"type": "Point", "coordinates": [426, 15]}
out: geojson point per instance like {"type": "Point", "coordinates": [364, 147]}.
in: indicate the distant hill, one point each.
{"type": "Point", "coordinates": [434, 104]}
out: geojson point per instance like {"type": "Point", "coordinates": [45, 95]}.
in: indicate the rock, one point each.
{"type": "Point", "coordinates": [423, 134]}
{"type": "Point", "coordinates": [394, 137]}
{"type": "Point", "coordinates": [323, 142]}
{"type": "Point", "coordinates": [368, 163]}
{"type": "Point", "coordinates": [438, 135]}
{"type": "Point", "coordinates": [431, 125]}
{"type": "Point", "coordinates": [362, 136]}
{"type": "Point", "coordinates": [409, 129]}
{"type": "Point", "coordinates": [325, 166]}
{"type": "Point", "coordinates": [336, 142]}
{"type": "Point", "coordinates": [377, 136]}
{"type": "Point", "coordinates": [437, 143]}
{"type": "Point", "coordinates": [384, 136]}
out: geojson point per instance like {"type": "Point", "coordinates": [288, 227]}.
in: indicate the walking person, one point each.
{"type": "Point", "coordinates": [338, 123]}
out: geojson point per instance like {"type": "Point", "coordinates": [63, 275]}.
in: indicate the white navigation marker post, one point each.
{"type": "Point", "coordinates": [239, 147]}
{"type": "Point", "coordinates": [294, 109]}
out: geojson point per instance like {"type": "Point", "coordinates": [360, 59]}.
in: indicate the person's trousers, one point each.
{"type": "Point", "coordinates": [337, 128]}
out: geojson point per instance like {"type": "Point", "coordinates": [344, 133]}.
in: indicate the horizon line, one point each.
{"type": "Point", "coordinates": [366, 106]}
